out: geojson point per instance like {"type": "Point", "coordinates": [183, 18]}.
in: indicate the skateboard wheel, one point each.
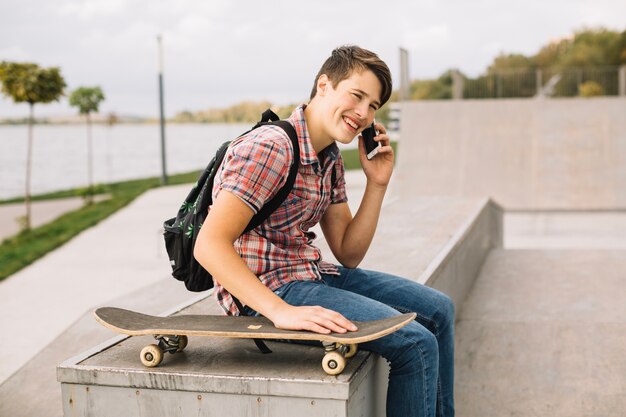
{"type": "Point", "coordinates": [352, 349]}
{"type": "Point", "coordinates": [333, 363]}
{"type": "Point", "coordinates": [182, 343]}
{"type": "Point", "coordinates": [151, 356]}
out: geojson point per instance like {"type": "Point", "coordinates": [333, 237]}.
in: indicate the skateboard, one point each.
{"type": "Point", "coordinates": [172, 333]}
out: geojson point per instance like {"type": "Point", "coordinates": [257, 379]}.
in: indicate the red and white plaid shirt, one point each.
{"type": "Point", "coordinates": [255, 167]}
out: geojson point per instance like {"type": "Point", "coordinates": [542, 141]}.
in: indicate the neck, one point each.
{"type": "Point", "coordinates": [320, 140]}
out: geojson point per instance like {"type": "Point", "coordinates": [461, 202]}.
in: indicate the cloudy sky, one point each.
{"type": "Point", "coordinates": [220, 52]}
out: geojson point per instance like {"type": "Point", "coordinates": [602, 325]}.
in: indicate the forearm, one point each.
{"type": "Point", "coordinates": [230, 270]}
{"type": "Point", "coordinates": [360, 231]}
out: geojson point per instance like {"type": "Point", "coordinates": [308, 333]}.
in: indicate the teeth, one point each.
{"type": "Point", "coordinates": [351, 123]}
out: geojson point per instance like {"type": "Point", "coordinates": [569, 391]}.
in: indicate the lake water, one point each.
{"type": "Point", "coordinates": [121, 152]}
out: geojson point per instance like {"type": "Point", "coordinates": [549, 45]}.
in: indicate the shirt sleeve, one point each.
{"type": "Point", "coordinates": [338, 193]}
{"type": "Point", "coordinates": [256, 166]}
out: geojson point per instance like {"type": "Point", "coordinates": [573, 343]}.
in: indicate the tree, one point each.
{"type": "Point", "coordinates": [441, 88]}
{"type": "Point", "coordinates": [88, 99]}
{"type": "Point", "coordinates": [28, 83]}
{"type": "Point", "coordinates": [510, 61]}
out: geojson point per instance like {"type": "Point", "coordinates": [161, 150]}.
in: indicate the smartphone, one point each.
{"type": "Point", "coordinates": [371, 146]}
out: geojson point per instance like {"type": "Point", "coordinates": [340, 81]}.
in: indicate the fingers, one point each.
{"type": "Point", "coordinates": [380, 128]}
{"type": "Point", "coordinates": [333, 321]}
{"type": "Point", "coordinates": [382, 136]}
{"type": "Point", "coordinates": [384, 140]}
{"type": "Point", "coordinates": [315, 319]}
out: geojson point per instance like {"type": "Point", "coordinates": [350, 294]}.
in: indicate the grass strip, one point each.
{"type": "Point", "coordinates": [351, 156]}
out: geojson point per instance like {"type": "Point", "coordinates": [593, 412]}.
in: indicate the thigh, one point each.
{"type": "Point", "coordinates": [357, 307]}
{"type": "Point", "coordinates": [351, 305]}
{"type": "Point", "coordinates": [431, 306]}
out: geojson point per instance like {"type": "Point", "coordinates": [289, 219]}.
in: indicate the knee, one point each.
{"type": "Point", "coordinates": [416, 348]}
{"type": "Point", "coordinates": [446, 309]}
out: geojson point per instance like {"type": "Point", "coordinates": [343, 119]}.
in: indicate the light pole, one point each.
{"type": "Point", "coordinates": [405, 84]}
{"type": "Point", "coordinates": [162, 113]}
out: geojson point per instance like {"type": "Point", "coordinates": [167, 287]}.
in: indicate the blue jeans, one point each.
{"type": "Point", "coordinates": [420, 355]}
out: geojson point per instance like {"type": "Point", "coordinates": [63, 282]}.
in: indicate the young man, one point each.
{"type": "Point", "coordinates": [275, 270]}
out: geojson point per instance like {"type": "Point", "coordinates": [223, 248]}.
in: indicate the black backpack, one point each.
{"type": "Point", "coordinates": [180, 232]}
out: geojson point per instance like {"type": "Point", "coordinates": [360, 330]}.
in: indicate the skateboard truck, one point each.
{"type": "Point", "coordinates": [152, 355]}
{"type": "Point", "coordinates": [334, 361]}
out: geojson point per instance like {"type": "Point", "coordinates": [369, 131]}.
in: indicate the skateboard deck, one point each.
{"type": "Point", "coordinates": [172, 333]}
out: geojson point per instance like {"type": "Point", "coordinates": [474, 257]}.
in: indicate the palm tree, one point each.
{"type": "Point", "coordinates": [87, 99]}
{"type": "Point", "coordinates": [28, 83]}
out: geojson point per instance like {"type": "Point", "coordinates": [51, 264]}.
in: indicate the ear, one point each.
{"type": "Point", "coordinates": [323, 83]}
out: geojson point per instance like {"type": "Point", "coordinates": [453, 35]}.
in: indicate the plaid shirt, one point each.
{"type": "Point", "coordinates": [255, 167]}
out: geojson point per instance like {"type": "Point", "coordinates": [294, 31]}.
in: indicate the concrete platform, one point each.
{"type": "Point", "coordinates": [447, 246]}
{"type": "Point", "coordinates": [542, 333]}
{"type": "Point", "coordinates": [213, 377]}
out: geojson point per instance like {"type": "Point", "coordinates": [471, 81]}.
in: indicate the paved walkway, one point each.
{"type": "Point", "coordinates": [42, 212]}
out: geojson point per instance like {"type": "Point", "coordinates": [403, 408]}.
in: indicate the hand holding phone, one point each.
{"type": "Point", "coordinates": [371, 146]}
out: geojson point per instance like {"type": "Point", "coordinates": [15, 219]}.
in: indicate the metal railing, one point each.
{"type": "Point", "coordinates": [546, 82]}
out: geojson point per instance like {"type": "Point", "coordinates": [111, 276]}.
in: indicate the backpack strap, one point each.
{"type": "Point", "coordinates": [258, 342]}
{"type": "Point", "coordinates": [270, 206]}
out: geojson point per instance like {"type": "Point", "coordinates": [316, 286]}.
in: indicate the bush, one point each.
{"type": "Point", "coordinates": [590, 89]}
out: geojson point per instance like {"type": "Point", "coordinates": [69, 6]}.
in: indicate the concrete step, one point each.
{"type": "Point", "coordinates": [542, 332]}
{"type": "Point", "coordinates": [565, 229]}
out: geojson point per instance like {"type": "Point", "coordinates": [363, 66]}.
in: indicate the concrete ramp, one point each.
{"type": "Point", "coordinates": [525, 154]}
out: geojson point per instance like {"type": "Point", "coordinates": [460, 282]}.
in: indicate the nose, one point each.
{"type": "Point", "coordinates": [362, 110]}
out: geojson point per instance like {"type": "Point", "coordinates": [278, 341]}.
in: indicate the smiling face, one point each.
{"type": "Point", "coordinates": [348, 107]}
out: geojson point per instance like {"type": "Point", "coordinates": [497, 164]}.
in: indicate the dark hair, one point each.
{"type": "Point", "coordinates": [344, 60]}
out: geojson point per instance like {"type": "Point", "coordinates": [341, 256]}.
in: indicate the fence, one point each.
{"type": "Point", "coordinates": [547, 82]}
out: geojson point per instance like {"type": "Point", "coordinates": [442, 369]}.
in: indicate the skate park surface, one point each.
{"type": "Point", "coordinates": [541, 330]}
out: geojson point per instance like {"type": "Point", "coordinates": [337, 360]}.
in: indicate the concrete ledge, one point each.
{"type": "Point", "coordinates": [436, 241]}
{"type": "Point", "coordinates": [440, 242]}
{"type": "Point", "coordinates": [456, 267]}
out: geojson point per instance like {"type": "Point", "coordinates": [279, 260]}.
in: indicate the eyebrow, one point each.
{"type": "Point", "coordinates": [367, 95]}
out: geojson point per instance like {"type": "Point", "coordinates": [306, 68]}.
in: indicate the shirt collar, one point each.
{"type": "Point", "coordinates": [308, 156]}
